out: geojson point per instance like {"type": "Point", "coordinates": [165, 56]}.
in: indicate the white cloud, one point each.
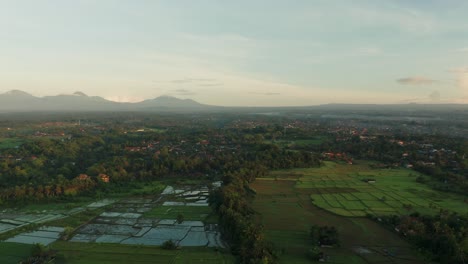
{"type": "Point", "coordinates": [461, 79]}
{"type": "Point", "coordinates": [416, 80]}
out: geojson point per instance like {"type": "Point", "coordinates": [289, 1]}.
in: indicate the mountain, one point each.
{"type": "Point", "coordinates": [16, 100]}
{"type": "Point", "coordinates": [19, 101]}
{"type": "Point", "coordinates": [78, 93]}
{"type": "Point", "coordinates": [170, 102]}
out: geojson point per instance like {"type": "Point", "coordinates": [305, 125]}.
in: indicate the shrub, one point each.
{"type": "Point", "coordinates": [169, 244]}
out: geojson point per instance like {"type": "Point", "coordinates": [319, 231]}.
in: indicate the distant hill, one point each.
{"type": "Point", "coordinates": [19, 101]}
{"type": "Point", "coordinates": [16, 100]}
{"type": "Point", "coordinates": [170, 102]}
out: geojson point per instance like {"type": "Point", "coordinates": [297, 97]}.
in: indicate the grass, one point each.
{"type": "Point", "coordinates": [135, 189]}
{"type": "Point", "coordinates": [55, 206]}
{"type": "Point", "coordinates": [77, 253]}
{"type": "Point", "coordinates": [341, 189]}
{"type": "Point", "coordinates": [155, 187]}
{"type": "Point", "coordinates": [8, 143]}
{"type": "Point", "coordinates": [14, 252]}
{"type": "Point", "coordinates": [190, 213]}
{"type": "Point", "coordinates": [78, 219]}
{"type": "Point", "coordinates": [287, 212]}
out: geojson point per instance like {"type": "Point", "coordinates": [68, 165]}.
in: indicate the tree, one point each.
{"type": "Point", "coordinates": [180, 218]}
{"type": "Point", "coordinates": [324, 235]}
{"type": "Point", "coordinates": [169, 245]}
{"type": "Point", "coordinates": [315, 254]}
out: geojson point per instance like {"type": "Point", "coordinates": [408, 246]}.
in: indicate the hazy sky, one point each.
{"type": "Point", "coordinates": [243, 52]}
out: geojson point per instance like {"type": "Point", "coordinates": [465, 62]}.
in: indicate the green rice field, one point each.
{"type": "Point", "coordinates": [289, 202]}
{"type": "Point", "coordinates": [90, 253]}
{"type": "Point", "coordinates": [191, 213]}
{"type": "Point", "coordinates": [7, 143]}
{"type": "Point", "coordinates": [14, 252]}
{"type": "Point", "coordinates": [357, 190]}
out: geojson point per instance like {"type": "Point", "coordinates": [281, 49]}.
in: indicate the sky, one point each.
{"type": "Point", "coordinates": [238, 53]}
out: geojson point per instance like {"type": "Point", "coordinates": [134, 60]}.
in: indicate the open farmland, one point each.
{"type": "Point", "coordinates": [130, 226]}
{"type": "Point", "coordinates": [77, 253]}
{"type": "Point", "coordinates": [14, 252]}
{"type": "Point", "coordinates": [283, 201]}
{"type": "Point", "coordinates": [179, 214]}
{"type": "Point", "coordinates": [357, 190]}
{"type": "Point", "coordinates": [7, 143]}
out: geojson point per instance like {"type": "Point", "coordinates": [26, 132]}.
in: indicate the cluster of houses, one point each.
{"type": "Point", "coordinates": [102, 177]}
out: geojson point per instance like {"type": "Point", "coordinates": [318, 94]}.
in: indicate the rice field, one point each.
{"type": "Point", "coordinates": [287, 214]}
{"type": "Point", "coordinates": [192, 213]}
{"type": "Point", "coordinates": [7, 143]}
{"type": "Point", "coordinates": [14, 252]}
{"type": "Point", "coordinates": [358, 190]}
{"type": "Point", "coordinates": [77, 253]}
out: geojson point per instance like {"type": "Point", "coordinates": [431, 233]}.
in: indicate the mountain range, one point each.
{"type": "Point", "coordinates": [19, 101]}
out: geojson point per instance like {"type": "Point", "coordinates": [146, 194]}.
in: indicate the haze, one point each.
{"type": "Point", "coordinates": [238, 53]}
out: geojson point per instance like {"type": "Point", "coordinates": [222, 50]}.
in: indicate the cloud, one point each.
{"type": "Point", "coordinates": [416, 80]}
{"type": "Point", "coordinates": [267, 93]}
{"type": "Point", "coordinates": [461, 78]}
{"type": "Point", "coordinates": [193, 80]}
{"type": "Point", "coordinates": [211, 84]}
{"type": "Point", "coordinates": [198, 81]}
{"type": "Point", "coordinates": [183, 92]}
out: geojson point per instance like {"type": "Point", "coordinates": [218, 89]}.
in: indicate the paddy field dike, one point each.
{"type": "Point", "coordinates": [289, 202]}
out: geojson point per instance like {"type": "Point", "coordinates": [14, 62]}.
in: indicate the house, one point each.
{"type": "Point", "coordinates": [82, 177]}
{"type": "Point", "coordinates": [104, 178]}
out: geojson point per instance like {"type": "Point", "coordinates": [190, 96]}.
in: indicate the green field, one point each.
{"type": "Point", "coordinates": [56, 207]}
{"type": "Point", "coordinates": [78, 219]}
{"type": "Point", "coordinates": [298, 142]}
{"type": "Point", "coordinates": [191, 213]}
{"type": "Point", "coordinates": [286, 209]}
{"type": "Point", "coordinates": [14, 252]}
{"type": "Point", "coordinates": [341, 189]}
{"type": "Point", "coordinates": [7, 143]}
{"type": "Point", "coordinates": [86, 253]}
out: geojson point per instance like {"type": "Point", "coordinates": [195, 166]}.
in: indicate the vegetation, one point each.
{"type": "Point", "coordinates": [14, 252]}
{"type": "Point", "coordinates": [169, 245]}
{"type": "Point", "coordinates": [40, 254]}
{"type": "Point", "coordinates": [287, 213]}
{"type": "Point", "coordinates": [284, 177]}
{"type": "Point", "coordinates": [340, 189]}
{"type": "Point", "coordinates": [84, 253]}
{"type": "Point", "coordinates": [236, 214]}
{"type": "Point", "coordinates": [324, 235]}
{"type": "Point", "coordinates": [8, 143]}
{"type": "Point", "coordinates": [188, 213]}
{"type": "Point", "coordinates": [444, 235]}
